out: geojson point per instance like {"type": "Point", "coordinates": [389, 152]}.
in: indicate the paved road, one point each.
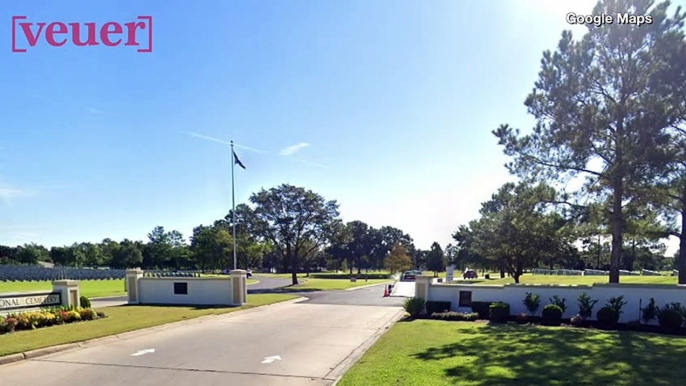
{"type": "Point", "coordinates": [314, 343]}
{"type": "Point", "coordinates": [109, 301]}
{"type": "Point", "coordinates": [368, 296]}
{"type": "Point", "coordinates": [267, 283]}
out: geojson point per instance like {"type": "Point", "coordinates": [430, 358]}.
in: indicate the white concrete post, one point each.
{"type": "Point", "coordinates": [239, 286]}
{"type": "Point", "coordinates": [70, 293]}
{"type": "Point", "coordinates": [422, 286]}
{"type": "Point", "coordinates": [132, 276]}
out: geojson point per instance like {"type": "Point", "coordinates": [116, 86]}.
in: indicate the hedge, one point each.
{"type": "Point", "coordinates": [434, 307]}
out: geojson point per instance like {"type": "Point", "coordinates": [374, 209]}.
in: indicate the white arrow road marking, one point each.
{"type": "Point", "coordinates": [271, 359]}
{"type": "Point", "coordinates": [143, 352]}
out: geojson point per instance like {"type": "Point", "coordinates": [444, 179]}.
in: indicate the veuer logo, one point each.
{"type": "Point", "coordinates": [57, 34]}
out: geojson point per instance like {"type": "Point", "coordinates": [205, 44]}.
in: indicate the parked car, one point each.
{"type": "Point", "coordinates": [411, 275]}
{"type": "Point", "coordinates": [470, 274]}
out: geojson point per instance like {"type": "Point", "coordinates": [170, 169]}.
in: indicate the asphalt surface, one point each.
{"type": "Point", "coordinates": [289, 344]}
{"type": "Point", "coordinates": [267, 283]}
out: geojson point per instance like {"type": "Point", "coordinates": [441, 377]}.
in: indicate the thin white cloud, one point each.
{"type": "Point", "coordinates": [7, 195]}
{"type": "Point", "coordinates": [208, 138]}
{"type": "Point", "coordinates": [94, 110]}
{"type": "Point", "coordinates": [290, 150]}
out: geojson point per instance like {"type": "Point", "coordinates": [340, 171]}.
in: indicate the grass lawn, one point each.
{"type": "Point", "coordinates": [89, 288]}
{"type": "Point", "coordinates": [119, 319]}
{"type": "Point", "coordinates": [438, 353]}
{"type": "Point", "coordinates": [314, 284]}
{"type": "Point", "coordinates": [554, 279]}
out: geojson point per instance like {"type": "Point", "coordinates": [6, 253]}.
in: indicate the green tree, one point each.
{"type": "Point", "coordinates": [435, 259]}
{"type": "Point", "coordinates": [212, 247]}
{"type": "Point", "coordinates": [600, 100]}
{"type": "Point", "coordinates": [59, 255]}
{"type": "Point", "coordinates": [515, 230]}
{"type": "Point", "coordinates": [93, 255]}
{"type": "Point", "coordinates": [294, 220]}
{"type": "Point", "coordinates": [31, 254]}
{"type": "Point", "coordinates": [398, 260]}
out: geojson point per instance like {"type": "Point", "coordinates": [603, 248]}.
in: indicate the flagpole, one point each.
{"type": "Point", "coordinates": [233, 205]}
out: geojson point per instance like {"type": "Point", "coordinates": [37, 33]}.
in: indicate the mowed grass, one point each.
{"type": "Point", "coordinates": [119, 320]}
{"type": "Point", "coordinates": [439, 353]}
{"type": "Point", "coordinates": [314, 284]}
{"type": "Point", "coordinates": [89, 288]}
{"type": "Point", "coordinates": [555, 279]}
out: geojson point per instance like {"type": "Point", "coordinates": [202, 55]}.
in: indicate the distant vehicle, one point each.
{"type": "Point", "coordinates": [470, 274]}
{"type": "Point", "coordinates": [411, 275]}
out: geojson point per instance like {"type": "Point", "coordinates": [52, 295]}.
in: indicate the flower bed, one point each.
{"type": "Point", "coordinates": [46, 318]}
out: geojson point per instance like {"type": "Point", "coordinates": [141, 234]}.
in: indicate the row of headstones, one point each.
{"type": "Point", "coordinates": [33, 273]}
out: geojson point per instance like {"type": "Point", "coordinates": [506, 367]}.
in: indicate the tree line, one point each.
{"type": "Point", "coordinates": [609, 107]}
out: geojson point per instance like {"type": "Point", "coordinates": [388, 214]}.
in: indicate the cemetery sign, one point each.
{"type": "Point", "coordinates": [29, 300]}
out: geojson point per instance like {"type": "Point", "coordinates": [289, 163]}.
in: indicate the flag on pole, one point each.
{"type": "Point", "coordinates": [237, 161]}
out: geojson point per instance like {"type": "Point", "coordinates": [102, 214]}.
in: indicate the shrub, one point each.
{"type": "Point", "coordinates": [499, 312]}
{"type": "Point", "coordinates": [649, 312]}
{"type": "Point", "coordinates": [560, 302]}
{"type": "Point", "coordinates": [586, 305]}
{"type": "Point", "coordinates": [671, 316]}
{"type": "Point", "coordinates": [414, 306]}
{"type": "Point", "coordinates": [458, 316]}
{"type": "Point", "coordinates": [607, 317]}
{"type": "Point", "coordinates": [482, 308]}
{"type": "Point", "coordinates": [72, 316]}
{"type": "Point", "coordinates": [434, 307]}
{"type": "Point", "coordinates": [101, 315]}
{"type": "Point", "coordinates": [577, 320]}
{"type": "Point", "coordinates": [532, 302]}
{"type": "Point", "coordinates": [8, 325]}
{"type": "Point", "coordinates": [523, 318]}
{"type": "Point", "coordinates": [551, 315]}
{"type": "Point", "coordinates": [617, 303]}
{"type": "Point", "coordinates": [85, 302]}
{"type": "Point", "coordinates": [88, 314]}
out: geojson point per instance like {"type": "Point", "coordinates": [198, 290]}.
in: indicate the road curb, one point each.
{"type": "Point", "coordinates": [337, 373]}
{"type": "Point", "coordinates": [367, 286]}
{"type": "Point", "coordinates": [7, 359]}
{"type": "Point", "coordinates": [49, 350]}
{"type": "Point", "coordinates": [12, 358]}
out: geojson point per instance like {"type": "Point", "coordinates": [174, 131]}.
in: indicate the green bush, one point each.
{"type": "Point", "coordinates": [7, 325]}
{"type": "Point", "coordinates": [88, 314]}
{"type": "Point", "coordinates": [482, 308]}
{"type": "Point", "coordinates": [434, 307]}
{"type": "Point", "coordinates": [551, 315]}
{"type": "Point", "coordinates": [649, 312]}
{"type": "Point", "coordinates": [85, 302]}
{"type": "Point", "coordinates": [457, 316]}
{"type": "Point", "coordinates": [617, 303]}
{"type": "Point", "coordinates": [532, 302]}
{"type": "Point", "coordinates": [101, 314]}
{"type": "Point", "coordinates": [586, 305]}
{"type": "Point", "coordinates": [607, 317]}
{"type": "Point", "coordinates": [671, 316]}
{"type": "Point", "coordinates": [414, 306]}
{"type": "Point", "coordinates": [499, 312]}
{"type": "Point", "coordinates": [560, 302]}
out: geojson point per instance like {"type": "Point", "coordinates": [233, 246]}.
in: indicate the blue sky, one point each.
{"type": "Point", "coordinates": [395, 102]}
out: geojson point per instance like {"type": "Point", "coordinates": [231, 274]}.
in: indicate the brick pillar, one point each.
{"type": "Point", "coordinates": [70, 292]}
{"type": "Point", "coordinates": [239, 287]}
{"type": "Point", "coordinates": [132, 276]}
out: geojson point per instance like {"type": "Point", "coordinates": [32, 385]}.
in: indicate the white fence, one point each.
{"type": "Point", "coordinates": [636, 295]}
